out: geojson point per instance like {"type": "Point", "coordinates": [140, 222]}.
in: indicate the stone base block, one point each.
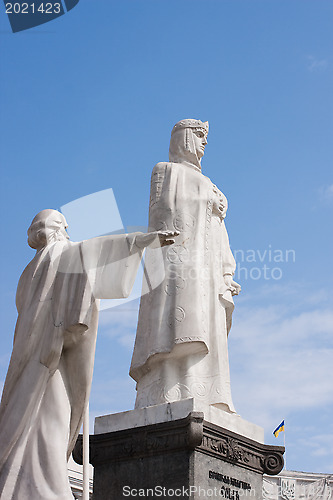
{"type": "Point", "coordinates": [179, 458]}
{"type": "Point", "coordinates": [169, 412]}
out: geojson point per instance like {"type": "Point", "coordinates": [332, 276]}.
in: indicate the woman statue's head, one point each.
{"type": "Point", "coordinates": [47, 227]}
{"type": "Point", "coordinates": [188, 141]}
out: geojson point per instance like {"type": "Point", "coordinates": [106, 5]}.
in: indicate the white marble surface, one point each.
{"type": "Point", "coordinates": [173, 411]}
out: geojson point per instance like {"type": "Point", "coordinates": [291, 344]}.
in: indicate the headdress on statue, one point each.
{"type": "Point", "coordinates": [191, 123]}
{"type": "Point", "coordinates": [182, 147]}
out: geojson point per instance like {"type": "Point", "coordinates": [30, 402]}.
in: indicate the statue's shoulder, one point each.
{"type": "Point", "coordinates": [162, 165]}
{"type": "Point", "coordinates": [160, 170]}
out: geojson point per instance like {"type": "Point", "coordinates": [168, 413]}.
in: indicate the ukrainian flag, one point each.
{"type": "Point", "coordinates": [280, 428]}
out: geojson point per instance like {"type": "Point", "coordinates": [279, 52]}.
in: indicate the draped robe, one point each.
{"type": "Point", "coordinates": [181, 342]}
{"type": "Point", "coordinates": [49, 377]}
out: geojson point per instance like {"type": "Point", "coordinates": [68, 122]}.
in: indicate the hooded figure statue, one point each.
{"type": "Point", "coordinates": [49, 377]}
{"type": "Point", "coordinates": [181, 342]}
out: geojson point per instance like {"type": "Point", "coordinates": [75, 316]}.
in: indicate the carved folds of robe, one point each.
{"type": "Point", "coordinates": [181, 343]}
{"type": "Point", "coordinates": [49, 377]}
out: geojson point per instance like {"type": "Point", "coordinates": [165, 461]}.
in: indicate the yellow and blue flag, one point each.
{"type": "Point", "coordinates": [280, 428]}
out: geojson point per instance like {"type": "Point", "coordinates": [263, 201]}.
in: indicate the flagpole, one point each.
{"type": "Point", "coordinates": [284, 444]}
{"type": "Point", "coordinates": [85, 493]}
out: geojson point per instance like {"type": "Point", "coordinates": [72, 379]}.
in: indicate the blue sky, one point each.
{"type": "Point", "coordinates": [87, 104]}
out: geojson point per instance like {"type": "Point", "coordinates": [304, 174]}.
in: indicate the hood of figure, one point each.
{"type": "Point", "coordinates": [182, 144]}
{"type": "Point", "coordinates": [47, 227]}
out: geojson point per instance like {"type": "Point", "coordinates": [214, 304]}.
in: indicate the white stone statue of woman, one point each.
{"type": "Point", "coordinates": [181, 346]}
{"type": "Point", "coordinates": [49, 377]}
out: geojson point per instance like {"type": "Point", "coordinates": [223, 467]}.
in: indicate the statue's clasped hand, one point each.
{"type": "Point", "coordinates": [219, 205]}
{"type": "Point", "coordinates": [221, 211]}
{"type": "Point", "coordinates": [234, 287]}
{"type": "Point", "coordinates": [156, 239]}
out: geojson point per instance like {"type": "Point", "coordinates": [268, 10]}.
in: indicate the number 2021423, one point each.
{"type": "Point", "coordinates": [31, 8]}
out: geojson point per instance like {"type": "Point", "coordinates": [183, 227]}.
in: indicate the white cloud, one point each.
{"type": "Point", "coordinates": [314, 64]}
{"type": "Point", "coordinates": [308, 448]}
{"type": "Point", "coordinates": [326, 193]}
{"type": "Point", "coordinates": [120, 323]}
{"type": "Point", "coordinates": [281, 360]}
{"type": "Point", "coordinates": [319, 446]}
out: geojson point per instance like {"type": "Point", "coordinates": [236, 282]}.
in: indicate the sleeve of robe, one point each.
{"type": "Point", "coordinates": [111, 264]}
{"type": "Point", "coordinates": [229, 264]}
{"type": "Point", "coordinates": [228, 267]}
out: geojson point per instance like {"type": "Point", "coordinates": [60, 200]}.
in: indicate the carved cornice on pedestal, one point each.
{"type": "Point", "coordinates": [139, 442]}
{"type": "Point", "coordinates": [236, 449]}
{"type": "Point", "coordinates": [191, 433]}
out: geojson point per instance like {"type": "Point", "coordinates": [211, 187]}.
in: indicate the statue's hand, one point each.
{"type": "Point", "coordinates": [166, 238]}
{"type": "Point", "coordinates": [234, 287]}
{"type": "Point", "coordinates": [156, 239]}
{"type": "Point", "coordinates": [219, 208]}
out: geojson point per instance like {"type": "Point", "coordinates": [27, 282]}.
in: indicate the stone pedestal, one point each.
{"type": "Point", "coordinates": [185, 457]}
